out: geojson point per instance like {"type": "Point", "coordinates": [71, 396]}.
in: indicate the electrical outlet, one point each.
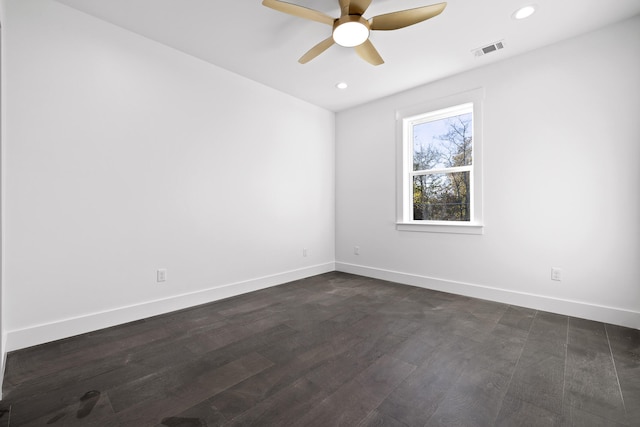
{"type": "Point", "coordinates": [556, 274]}
{"type": "Point", "coordinates": [356, 250]}
{"type": "Point", "coordinates": [305, 252]}
{"type": "Point", "coordinates": [161, 275]}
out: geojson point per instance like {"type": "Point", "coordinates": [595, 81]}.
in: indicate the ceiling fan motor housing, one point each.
{"type": "Point", "coordinates": [351, 30]}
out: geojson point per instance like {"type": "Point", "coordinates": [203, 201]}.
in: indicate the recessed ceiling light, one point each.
{"type": "Point", "coordinates": [342, 85]}
{"type": "Point", "coordinates": [524, 12]}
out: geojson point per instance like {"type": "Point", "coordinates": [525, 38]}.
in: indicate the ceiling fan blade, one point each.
{"type": "Point", "coordinates": [369, 53]}
{"type": "Point", "coordinates": [358, 7]}
{"type": "Point", "coordinates": [404, 18]}
{"type": "Point", "coordinates": [344, 7]}
{"type": "Point", "coordinates": [316, 50]}
{"type": "Point", "coordinates": [299, 11]}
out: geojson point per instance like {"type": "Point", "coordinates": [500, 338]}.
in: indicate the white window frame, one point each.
{"type": "Point", "coordinates": [439, 108]}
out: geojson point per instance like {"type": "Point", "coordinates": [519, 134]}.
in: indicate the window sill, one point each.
{"type": "Point", "coordinates": [440, 227]}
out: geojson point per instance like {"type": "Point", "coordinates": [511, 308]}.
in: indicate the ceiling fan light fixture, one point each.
{"type": "Point", "coordinates": [350, 31]}
{"type": "Point", "coordinates": [524, 12]}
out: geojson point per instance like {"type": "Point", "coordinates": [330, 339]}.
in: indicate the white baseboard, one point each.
{"type": "Point", "coordinates": [600, 313]}
{"type": "Point", "coordinates": [40, 334]}
{"type": "Point", "coordinates": [3, 360]}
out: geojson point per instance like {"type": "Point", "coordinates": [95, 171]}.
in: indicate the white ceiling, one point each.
{"type": "Point", "coordinates": [264, 45]}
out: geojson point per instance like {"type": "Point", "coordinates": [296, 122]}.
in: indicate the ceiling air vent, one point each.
{"type": "Point", "coordinates": [489, 48]}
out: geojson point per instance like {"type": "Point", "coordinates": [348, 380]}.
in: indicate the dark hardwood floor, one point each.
{"type": "Point", "coordinates": [334, 349]}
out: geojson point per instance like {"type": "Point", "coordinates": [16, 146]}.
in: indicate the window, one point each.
{"type": "Point", "coordinates": [439, 165]}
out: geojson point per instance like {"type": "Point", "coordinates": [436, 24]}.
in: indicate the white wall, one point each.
{"type": "Point", "coordinates": [561, 184]}
{"type": "Point", "coordinates": [124, 156]}
{"type": "Point", "coordinates": [3, 353]}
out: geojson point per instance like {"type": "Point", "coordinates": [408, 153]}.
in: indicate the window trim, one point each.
{"type": "Point", "coordinates": [404, 169]}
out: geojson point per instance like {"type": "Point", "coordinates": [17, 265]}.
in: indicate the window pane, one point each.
{"type": "Point", "coordinates": [443, 143]}
{"type": "Point", "coordinates": [442, 197]}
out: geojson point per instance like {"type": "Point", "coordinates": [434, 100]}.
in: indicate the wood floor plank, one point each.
{"type": "Point", "coordinates": [580, 418]}
{"type": "Point", "coordinates": [93, 408]}
{"type": "Point", "coordinates": [474, 400]}
{"type": "Point", "coordinates": [38, 401]}
{"type": "Point", "coordinates": [49, 359]}
{"type": "Point", "coordinates": [150, 401]}
{"type": "Point", "coordinates": [245, 395]}
{"type": "Point", "coordinates": [588, 335]}
{"type": "Point", "coordinates": [539, 380]}
{"type": "Point", "coordinates": [413, 351]}
{"type": "Point", "coordinates": [353, 402]}
{"type": "Point", "coordinates": [252, 343]}
{"type": "Point", "coordinates": [551, 328]}
{"type": "Point", "coordinates": [625, 348]}
{"type": "Point", "coordinates": [500, 350]}
{"type": "Point", "coordinates": [221, 337]}
{"type": "Point", "coordinates": [591, 384]}
{"type": "Point", "coordinates": [284, 408]}
{"type": "Point", "coordinates": [518, 317]}
{"type": "Point", "coordinates": [378, 419]}
{"type": "Point", "coordinates": [515, 412]}
{"type": "Point", "coordinates": [5, 414]}
{"type": "Point", "coordinates": [415, 400]}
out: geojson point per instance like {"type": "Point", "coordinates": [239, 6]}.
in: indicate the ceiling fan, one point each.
{"type": "Point", "coordinates": [351, 29]}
